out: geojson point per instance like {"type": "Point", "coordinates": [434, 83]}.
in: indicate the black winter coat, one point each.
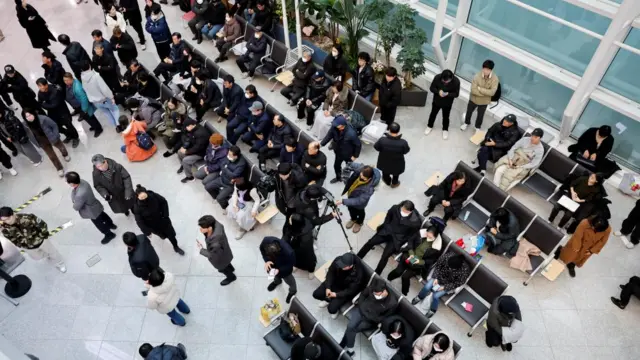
{"type": "Point", "coordinates": [399, 228]}
{"type": "Point", "coordinates": [55, 73]}
{"type": "Point", "coordinates": [232, 98]}
{"type": "Point", "coordinates": [443, 190]}
{"type": "Point", "coordinates": [363, 81]}
{"type": "Point", "coordinates": [452, 89]}
{"type": "Point", "coordinates": [404, 343]}
{"type": "Point", "coordinates": [288, 190]}
{"type": "Point", "coordinates": [19, 87]}
{"type": "Point", "coordinates": [127, 50]}
{"type": "Point", "coordinates": [54, 102]}
{"type": "Point", "coordinates": [506, 240]}
{"type": "Point", "coordinates": [233, 170]}
{"type": "Point", "coordinates": [346, 284]}
{"type": "Point", "coordinates": [391, 152]}
{"type": "Point", "coordinates": [335, 67]}
{"type": "Point", "coordinates": [278, 134]}
{"type": "Point", "coordinates": [263, 18]}
{"type": "Point", "coordinates": [302, 72]}
{"type": "Point", "coordinates": [317, 91]}
{"type": "Point", "coordinates": [312, 172]}
{"type": "Point", "coordinates": [390, 93]}
{"type": "Point", "coordinates": [308, 208]}
{"type": "Point", "coordinates": [216, 13]}
{"type": "Point", "coordinates": [107, 67]}
{"type": "Point", "coordinates": [376, 310]}
{"type": "Point", "coordinates": [504, 137]}
{"type": "Point", "coordinates": [76, 56]}
{"type": "Point", "coordinates": [345, 143]}
{"type": "Point", "coordinates": [284, 261]}
{"type": "Point", "coordinates": [152, 216]}
{"type": "Point", "coordinates": [301, 241]}
{"type": "Point", "coordinates": [197, 141]}
{"type": "Point", "coordinates": [119, 188]}
{"type": "Point", "coordinates": [37, 29]}
{"type": "Point", "coordinates": [133, 11]}
{"type": "Point", "coordinates": [177, 54]}
{"type": "Point", "coordinates": [143, 259]}
{"type": "Point", "coordinates": [257, 47]}
{"type": "Point", "coordinates": [210, 94]}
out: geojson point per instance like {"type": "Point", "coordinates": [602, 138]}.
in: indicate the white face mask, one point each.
{"type": "Point", "coordinates": [199, 82]}
{"type": "Point", "coordinates": [334, 53]}
{"type": "Point", "coordinates": [257, 36]}
{"type": "Point", "coordinates": [437, 349]}
{"type": "Point", "coordinates": [305, 60]}
{"type": "Point", "coordinates": [403, 214]}
{"type": "Point", "coordinates": [395, 336]}
{"type": "Point", "coordinates": [200, 2]}
{"type": "Point", "coordinates": [247, 96]}
{"type": "Point", "coordinates": [155, 17]}
{"type": "Point", "coordinates": [378, 297]}
{"type": "Point", "coordinates": [230, 158]}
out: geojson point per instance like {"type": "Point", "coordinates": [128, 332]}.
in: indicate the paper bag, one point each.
{"type": "Point", "coordinates": [552, 270]}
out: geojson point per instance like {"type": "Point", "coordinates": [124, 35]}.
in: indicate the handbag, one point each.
{"type": "Point", "coordinates": [289, 329]}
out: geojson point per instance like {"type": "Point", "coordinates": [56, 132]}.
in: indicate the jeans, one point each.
{"type": "Point", "coordinates": [357, 323]}
{"type": "Point", "coordinates": [211, 31]}
{"type": "Point", "coordinates": [110, 109]}
{"type": "Point", "coordinates": [123, 148]}
{"type": "Point", "coordinates": [176, 317]}
{"type": "Point", "coordinates": [104, 223]}
{"type": "Point", "coordinates": [446, 111]}
{"type": "Point", "coordinates": [235, 128]}
{"type": "Point", "coordinates": [357, 215]}
{"type": "Point", "coordinates": [470, 108]}
{"type": "Point", "coordinates": [388, 250]}
{"type": "Point", "coordinates": [428, 287]}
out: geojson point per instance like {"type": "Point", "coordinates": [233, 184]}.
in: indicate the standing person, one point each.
{"type": "Point", "coordinates": [29, 232]}
{"type": "Point", "coordinates": [590, 237]}
{"type": "Point", "coordinates": [363, 81]}
{"type": "Point", "coordinates": [114, 18]}
{"type": "Point", "coordinates": [298, 232]}
{"type": "Point", "coordinates": [628, 289]}
{"type": "Point", "coordinates": [445, 88]}
{"type": "Point", "coordinates": [314, 96]}
{"type": "Point", "coordinates": [47, 136]}
{"type": "Point", "coordinates": [151, 211]}
{"type": "Point", "coordinates": [85, 203]}
{"type": "Point", "coordinates": [52, 99]}
{"type": "Point", "coordinates": [226, 37]}
{"type": "Point", "coordinates": [150, 5]}
{"type": "Point", "coordinates": [77, 98]}
{"type": "Point", "coordinates": [483, 86]}
{"type": "Point", "coordinates": [390, 96]}
{"type": "Point", "coordinates": [74, 52]}
{"type": "Point", "coordinates": [314, 164]}
{"type": "Point", "coordinates": [279, 259]}
{"type": "Point", "coordinates": [302, 71]}
{"type": "Point", "coordinates": [450, 193]}
{"type": "Point", "coordinates": [217, 248]}
{"type": "Point", "coordinates": [143, 258]}
{"type": "Point", "coordinates": [164, 297]}
{"type": "Point", "coordinates": [22, 139]}
{"type": "Point", "coordinates": [17, 85]}
{"type": "Point", "coordinates": [5, 160]}
{"type": "Point", "coordinates": [98, 39]}
{"type": "Point", "coordinates": [504, 323]}
{"type": "Point", "coordinates": [113, 182]}
{"type": "Point", "coordinates": [631, 227]}
{"type": "Point", "coordinates": [391, 151]}
{"type": "Point", "coordinates": [131, 12]}
{"type": "Point", "coordinates": [346, 145]}
{"type": "Point", "coordinates": [256, 50]}
{"type": "Point", "coordinates": [123, 44]}
{"type": "Point", "coordinates": [336, 65]}
{"type": "Point", "coordinates": [4, 93]}
{"type": "Point", "coordinates": [105, 64]}
{"type": "Point", "coordinates": [497, 142]}
{"type": "Point", "coordinates": [147, 351]}
{"type": "Point", "coordinates": [53, 69]}
{"type": "Point", "coordinates": [159, 29]}
{"type": "Point", "coordinates": [36, 27]}
{"type": "Point", "coordinates": [232, 98]}
{"type": "Point", "coordinates": [345, 278]}
{"type": "Point", "coordinates": [359, 188]}
{"type": "Point", "coordinates": [99, 94]}
{"type": "Point", "coordinates": [289, 183]}
{"type": "Point", "coordinates": [200, 8]}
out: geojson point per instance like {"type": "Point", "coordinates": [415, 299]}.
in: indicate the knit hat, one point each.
{"type": "Point", "coordinates": [339, 120]}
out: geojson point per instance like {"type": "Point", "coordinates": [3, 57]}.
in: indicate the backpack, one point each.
{"type": "Point", "coordinates": [144, 140]}
{"type": "Point", "coordinates": [356, 120]}
{"type": "Point", "coordinates": [496, 97]}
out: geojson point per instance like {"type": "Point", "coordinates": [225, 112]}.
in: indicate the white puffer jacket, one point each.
{"type": "Point", "coordinates": [111, 23]}
{"type": "Point", "coordinates": [165, 297]}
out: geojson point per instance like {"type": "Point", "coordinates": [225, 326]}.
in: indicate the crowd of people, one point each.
{"type": "Point", "coordinates": [95, 82]}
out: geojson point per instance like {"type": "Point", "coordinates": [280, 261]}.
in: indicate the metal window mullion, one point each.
{"type": "Point", "coordinates": [462, 15]}
{"type": "Point", "coordinates": [437, 34]}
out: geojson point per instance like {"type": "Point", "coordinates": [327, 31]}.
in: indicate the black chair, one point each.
{"type": "Point", "coordinates": [307, 325]}
{"type": "Point", "coordinates": [413, 316]}
{"type": "Point", "coordinates": [222, 73]}
{"type": "Point", "coordinates": [274, 63]}
{"type": "Point", "coordinates": [212, 68]}
{"type": "Point", "coordinates": [552, 172]}
{"type": "Point", "coordinates": [365, 108]}
{"type": "Point", "coordinates": [547, 238]}
{"type": "Point", "coordinates": [249, 31]}
{"type": "Point", "coordinates": [524, 215]}
{"type": "Point", "coordinates": [433, 328]}
{"type": "Point", "coordinates": [321, 336]}
{"type": "Point", "coordinates": [472, 177]}
{"type": "Point", "coordinates": [199, 54]}
{"type": "Point", "coordinates": [166, 93]}
{"type": "Point", "coordinates": [351, 99]}
{"type": "Point", "coordinates": [488, 286]}
{"type": "Point", "coordinates": [488, 197]}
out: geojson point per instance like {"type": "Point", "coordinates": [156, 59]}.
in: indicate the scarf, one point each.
{"type": "Point", "coordinates": [356, 184]}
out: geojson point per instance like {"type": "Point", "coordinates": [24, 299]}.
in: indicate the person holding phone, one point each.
{"type": "Point", "coordinates": [279, 259]}
{"type": "Point", "coordinates": [216, 248]}
{"type": "Point", "coordinates": [445, 88]}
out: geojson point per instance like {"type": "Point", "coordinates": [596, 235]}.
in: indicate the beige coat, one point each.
{"type": "Point", "coordinates": [511, 175]}
{"type": "Point", "coordinates": [482, 89]}
{"type": "Point", "coordinates": [336, 104]}
{"type": "Point", "coordinates": [165, 297]}
{"type": "Point", "coordinates": [584, 242]}
{"type": "Point", "coordinates": [424, 344]}
{"type": "Point", "coordinates": [522, 261]}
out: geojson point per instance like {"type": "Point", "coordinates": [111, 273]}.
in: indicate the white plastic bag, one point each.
{"type": "Point", "coordinates": [374, 131]}
{"type": "Point", "coordinates": [630, 184]}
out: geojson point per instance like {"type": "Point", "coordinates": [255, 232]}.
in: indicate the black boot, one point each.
{"type": "Point", "coordinates": [178, 250]}
{"type": "Point", "coordinates": [572, 269]}
{"type": "Point", "coordinates": [556, 255]}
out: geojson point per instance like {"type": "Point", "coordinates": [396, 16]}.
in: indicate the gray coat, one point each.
{"type": "Point", "coordinates": [218, 251]}
{"type": "Point", "coordinates": [50, 128]}
{"type": "Point", "coordinates": [148, 113]}
{"type": "Point", "coordinates": [119, 188]}
{"type": "Point", "coordinates": [85, 202]}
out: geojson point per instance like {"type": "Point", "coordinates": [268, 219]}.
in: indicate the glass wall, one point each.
{"type": "Point", "coordinates": [452, 6]}
{"type": "Point", "coordinates": [626, 131]}
{"type": "Point", "coordinates": [550, 40]}
{"type": "Point", "coordinates": [521, 87]}
{"type": "Point", "coordinates": [623, 75]}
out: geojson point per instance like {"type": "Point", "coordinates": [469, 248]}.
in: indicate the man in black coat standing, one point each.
{"type": "Point", "coordinates": [391, 151]}
{"type": "Point", "coordinates": [76, 55]}
{"type": "Point", "coordinates": [53, 69]}
{"type": "Point", "coordinates": [499, 139]}
{"type": "Point", "coordinates": [445, 88]}
{"type": "Point", "coordinates": [217, 248]}
{"type": "Point", "coordinates": [289, 183]}
{"type": "Point", "coordinates": [346, 144]}
{"type": "Point", "coordinates": [131, 12]}
{"type": "Point", "coordinates": [142, 256]}
{"type": "Point", "coordinates": [113, 182]}
{"type": "Point", "coordinates": [390, 95]}
{"type": "Point", "coordinates": [52, 98]}
{"type": "Point", "coordinates": [302, 72]}
{"type": "Point", "coordinates": [256, 49]}
{"type": "Point", "coordinates": [151, 211]}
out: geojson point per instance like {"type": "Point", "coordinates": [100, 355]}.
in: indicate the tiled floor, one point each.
{"type": "Point", "coordinates": [99, 313]}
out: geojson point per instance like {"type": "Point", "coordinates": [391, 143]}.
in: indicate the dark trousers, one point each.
{"type": "Point", "coordinates": [196, 25]}
{"type": "Point", "coordinates": [220, 191]}
{"type": "Point", "coordinates": [565, 217]}
{"type": "Point", "coordinates": [307, 112]}
{"type": "Point", "coordinates": [334, 303]}
{"type": "Point", "coordinates": [9, 145]}
{"type": "Point", "coordinates": [104, 223]}
{"type": "Point", "coordinates": [337, 165]}
{"type": "Point", "coordinates": [446, 111]}
{"type": "Point", "coordinates": [223, 47]}
{"type": "Point", "coordinates": [136, 23]}
{"type": "Point", "coordinates": [235, 128]}
{"type": "Point", "coordinates": [631, 225]}
{"type": "Point", "coordinates": [5, 159]}
{"type": "Point", "coordinates": [248, 64]}
{"type": "Point", "coordinates": [163, 49]}
{"type": "Point", "coordinates": [93, 122]}
{"type": "Point", "coordinates": [201, 110]}
{"type": "Point", "coordinates": [228, 271]}
{"type": "Point", "coordinates": [392, 179]}
{"type": "Point", "coordinates": [470, 108]}
{"type": "Point", "coordinates": [6, 97]}
{"type": "Point", "coordinates": [48, 149]}
{"type": "Point", "coordinates": [406, 272]}
{"type": "Point", "coordinates": [449, 211]}
{"type": "Point", "coordinates": [357, 323]}
{"type": "Point", "coordinates": [165, 70]}
{"type": "Point", "coordinates": [630, 288]}
{"type": "Point", "coordinates": [292, 93]}
{"type": "Point", "coordinates": [484, 154]}
{"type": "Point", "coordinates": [388, 114]}
{"type": "Point", "coordinates": [265, 153]}
{"type": "Point", "coordinates": [357, 215]}
{"type": "Point", "coordinates": [492, 338]}
{"type": "Point", "coordinates": [388, 250]}
{"type": "Point", "coordinates": [66, 127]}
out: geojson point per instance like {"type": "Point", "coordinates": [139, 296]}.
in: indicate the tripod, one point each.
{"type": "Point", "coordinates": [331, 204]}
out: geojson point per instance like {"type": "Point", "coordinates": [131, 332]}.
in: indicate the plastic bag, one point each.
{"type": "Point", "coordinates": [270, 309]}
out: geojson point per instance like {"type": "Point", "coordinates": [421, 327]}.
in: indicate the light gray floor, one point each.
{"type": "Point", "coordinates": [98, 312]}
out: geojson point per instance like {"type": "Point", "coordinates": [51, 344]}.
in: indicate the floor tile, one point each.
{"type": "Point", "coordinates": [125, 323]}
{"type": "Point", "coordinates": [118, 350]}
{"type": "Point", "coordinates": [199, 326]}
{"type": "Point", "coordinates": [91, 322]}
{"type": "Point", "coordinates": [231, 352]}
{"type": "Point", "coordinates": [564, 327]}
{"type": "Point", "coordinates": [157, 328]}
{"type": "Point", "coordinates": [231, 326]}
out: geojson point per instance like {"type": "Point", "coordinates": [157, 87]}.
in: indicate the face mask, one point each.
{"type": "Point", "coordinates": [257, 36]}
{"type": "Point", "coordinates": [437, 349]}
{"type": "Point", "coordinates": [200, 2]}
{"type": "Point", "coordinates": [230, 158]}
{"type": "Point", "coordinates": [395, 336]}
{"type": "Point", "coordinates": [334, 53]}
{"type": "Point", "coordinates": [378, 297]}
{"type": "Point", "coordinates": [155, 17]}
{"type": "Point", "coordinates": [403, 214]}
{"type": "Point", "coordinates": [248, 96]}
{"type": "Point", "coordinates": [199, 82]}
{"type": "Point", "coordinates": [305, 60]}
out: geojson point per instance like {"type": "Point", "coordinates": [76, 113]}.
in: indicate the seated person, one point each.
{"type": "Point", "coordinates": [215, 19]}
{"type": "Point", "coordinates": [298, 232]}
{"type": "Point", "coordinates": [172, 63]}
{"type": "Point", "coordinates": [502, 233]}
{"type": "Point", "coordinates": [499, 139]}
{"type": "Point", "coordinates": [582, 190]}
{"type": "Point", "coordinates": [237, 125]}
{"type": "Point", "coordinates": [259, 127]}
{"type": "Point", "coordinates": [184, 74]}
{"type": "Point", "coordinates": [214, 159]}
{"type": "Point", "coordinates": [336, 65]}
{"type": "Point", "coordinates": [147, 86]}
{"type": "Point", "coordinates": [363, 81]}
{"type": "Point", "coordinates": [302, 72]}
{"type": "Point", "coordinates": [129, 82]}
{"type": "Point", "coordinates": [289, 182]}
{"type": "Point", "coordinates": [345, 278]}
{"type": "Point", "coordinates": [291, 152]}
{"type": "Point", "coordinates": [131, 147]}
{"type": "Point", "coordinates": [256, 50]}
{"type": "Point", "coordinates": [374, 304]}
{"type": "Point", "coordinates": [262, 16]}
{"type": "Point", "coordinates": [450, 193]}
{"type": "Point", "coordinates": [450, 272]}
{"type": "Point", "coordinates": [523, 157]}
{"type": "Point", "coordinates": [179, 135]}
{"type": "Point", "coordinates": [314, 164]}
{"type": "Point", "coordinates": [592, 147]}
{"type": "Point", "coordinates": [221, 188]}
{"type": "Point", "coordinates": [400, 224]}
{"type": "Point", "coordinates": [147, 109]}
{"type": "Point", "coordinates": [172, 109]}
{"type": "Point", "coordinates": [436, 346]}
{"type": "Point", "coordinates": [209, 95]}
{"type": "Point", "coordinates": [419, 257]}
{"type": "Point", "coordinates": [232, 98]}
{"type": "Point", "coordinates": [314, 97]}
{"type": "Point", "coordinates": [275, 141]}
{"type": "Point", "coordinates": [305, 348]}
{"type": "Point", "coordinates": [394, 341]}
{"type": "Point", "coordinates": [336, 102]}
{"type": "Point", "coordinates": [194, 147]}
{"type": "Point", "coordinates": [245, 202]}
{"type": "Point", "coordinates": [191, 90]}
{"type": "Point", "coordinates": [226, 37]}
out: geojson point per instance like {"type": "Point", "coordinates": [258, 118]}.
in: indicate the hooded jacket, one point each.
{"type": "Point", "coordinates": [373, 309]}
{"type": "Point", "coordinates": [399, 228]}
{"type": "Point", "coordinates": [452, 89]}
{"type": "Point", "coordinates": [498, 313]}
{"type": "Point", "coordinates": [505, 138]}
{"type": "Point", "coordinates": [95, 87]}
{"type": "Point", "coordinates": [143, 258]}
{"type": "Point", "coordinates": [284, 260]}
{"type": "Point", "coordinates": [76, 56]}
{"type": "Point", "coordinates": [346, 284]}
{"type": "Point", "coordinates": [164, 297]}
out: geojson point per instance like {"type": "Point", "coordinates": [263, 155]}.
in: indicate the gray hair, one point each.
{"type": "Point", "coordinates": [97, 159]}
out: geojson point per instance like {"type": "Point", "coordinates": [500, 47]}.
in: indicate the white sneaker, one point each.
{"type": "Point", "coordinates": [463, 127]}
{"type": "Point", "coordinates": [62, 267]}
{"type": "Point", "coordinates": [245, 75]}
{"type": "Point", "coordinates": [477, 130]}
{"type": "Point", "coordinates": [38, 163]}
{"type": "Point", "coordinates": [67, 158]}
{"type": "Point", "coordinates": [626, 242]}
{"type": "Point", "coordinates": [334, 316]}
{"type": "Point", "coordinates": [13, 172]}
{"type": "Point", "coordinates": [61, 173]}
{"type": "Point", "coordinates": [311, 276]}
{"type": "Point", "coordinates": [427, 131]}
{"type": "Point", "coordinates": [323, 304]}
{"type": "Point", "coordinates": [143, 47]}
{"type": "Point", "coordinates": [617, 233]}
{"type": "Point", "coordinates": [240, 234]}
{"type": "Point", "coordinates": [445, 134]}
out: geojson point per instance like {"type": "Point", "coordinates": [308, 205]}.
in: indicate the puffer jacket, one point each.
{"type": "Point", "coordinates": [167, 114]}
{"type": "Point", "coordinates": [233, 170]}
{"type": "Point", "coordinates": [363, 81]}
{"type": "Point", "coordinates": [399, 227]}
{"type": "Point", "coordinates": [165, 297]}
{"type": "Point", "coordinates": [215, 159]}
{"type": "Point", "coordinates": [231, 30]}
{"type": "Point", "coordinates": [511, 175]}
{"type": "Point", "coordinates": [76, 56]}
{"type": "Point", "coordinates": [49, 128]}
{"type": "Point", "coordinates": [148, 113]}
{"type": "Point", "coordinates": [505, 138]}
{"type": "Point", "coordinates": [373, 309]}
{"type": "Point", "coordinates": [424, 345]}
{"type": "Point", "coordinates": [360, 196]}
{"type": "Point", "coordinates": [507, 236]}
{"type": "Point", "coordinates": [159, 29]}
{"type": "Point", "coordinates": [278, 134]}
{"type": "Point", "coordinates": [257, 47]}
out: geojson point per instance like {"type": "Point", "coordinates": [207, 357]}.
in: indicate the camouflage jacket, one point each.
{"type": "Point", "coordinates": [28, 232]}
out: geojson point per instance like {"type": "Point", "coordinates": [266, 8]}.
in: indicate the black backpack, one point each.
{"type": "Point", "coordinates": [496, 97]}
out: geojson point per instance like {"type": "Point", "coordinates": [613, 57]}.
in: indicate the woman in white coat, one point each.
{"type": "Point", "coordinates": [245, 203]}
{"type": "Point", "coordinates": [115, 18]}
{"type": "Point", "coordinates": [164, 296]}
